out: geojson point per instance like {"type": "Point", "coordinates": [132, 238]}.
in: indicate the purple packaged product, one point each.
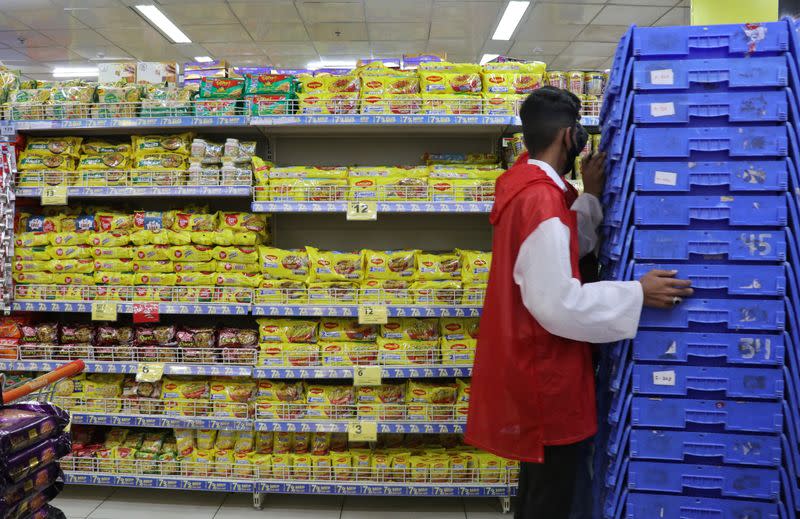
{"type": "Point", "coordinates": [23, 425]}
{"type": "Point", "coordinates": [158, 335]}
{"type": "Point", "coordinates": [32, 503]}
{"type": "Point", "coordinates": [39, 480]}
{"type": "Point", "coordinates": [76, 333]}
{"type": "Point", "coordinates": [46, 333]}
{"type": "Point", "coordinates": [26, 461]}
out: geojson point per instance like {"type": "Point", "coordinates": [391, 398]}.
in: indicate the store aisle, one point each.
{"type": "Point", "coordinates": [131, 503]}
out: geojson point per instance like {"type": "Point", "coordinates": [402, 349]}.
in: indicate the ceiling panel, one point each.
{"type": "Point", "coordinates": [70, 38]}
{"type": "Point", "coordinates": [326, 49]}
{"type": "Point", "coordinates": [46, 18]}
{"type": "Point", "coordinates": [337, 31]}
{"type": "Point", "coordinates": [676, 16]}
{"type": "Point", "coordinates": [243, 49]}
{"type": "Point", "coordinates": [273, 11]}
{"type": "Point", "coordinates": [133, 37]}
{"type": "Point", "coordinates": [398, 31]}
{"type": "Point", "coordinates": [662, 3]}
{"type": "Point", "coordinates": [520, 48]}
{"type": "Point", "coordinates": [397, 11]}
{"type": "Point", "coordinates": [320, 12]}
{"type": "Point", "coordinates": [24, 39]}
{"type": "Point", "coordinates": [244, 60]}
{"type": "Point", "coordinates": [589, 48]}
{"type": "Point", "coordinates": [14, 5]}
{"type": "Point", "coordinates": [626, 15]}
{"type": "Point", "coordinates": [463, 20]}
{"type": "Point", "coordinates": [384, 49]}
{"type": "Point", "coordinates": [576, 63]}
{"type": "Point", "coordinates": [604, 33]}
{"type": "Point", "coordinates": [104, 52]}
{"type": "Point", "coordinates": [8, 23]}
{"type": "Point", "coordinates": [563, 13]}
{"type": "Point", "coordinates": [201, 13]}
{"type": "Point", "coordinates": [10, 55]}
{"type": "Point", "coordinates": [288, 48]}
{"type": "Point", "coordinates": [277, 31]}
{"type": "Point", "coordinates": [541, 29]}
{"type": "Point", "coordinates": [109, 17]}
{"type": "Point", "coordinates": [53, 53]}
{"type": "Point", "coordinates": [231, 32]}
{"type": "Point", "coordinates": [85, 4]}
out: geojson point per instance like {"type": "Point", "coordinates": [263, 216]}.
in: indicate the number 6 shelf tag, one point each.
{"type": "Point", "coordinates": [367, 376]}
{"type": "Point", "coordinates": [362, 431]}
{"type": "Point", "coordinates": [149, 372]}
{"type": "Point", "coordinates": [362, 210]}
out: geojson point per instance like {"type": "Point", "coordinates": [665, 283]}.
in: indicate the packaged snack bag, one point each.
{"type": "Point", "coordinates": [108, 222]}
{"type": "Point", "coordinates": [287, 330]}
{"type": "Point", "coordinates": [410, 328]}
{"type": "Point", "coordinates": [475, 266]}
{"type": "Point", "coordinates": [155, 278]}
{"type": "Point", "coordinates": [334, 265]}
{"type": "Point", "coordinates": [242, 268]}
{"type": "Point", "coordinates": [389, 264]}
{"type": "Point", "coordinates": [438, 266]}
{"type": "Point", "coordinates": [149, 266]}
{"type": "Point", "coordinates": [31, 239]}
{"type": "Point", "coordinates": [146, 144]}
{"type": "Point", "coordinates": [189, 253]}
{"type": "Point", "coordinates": [386, 291]}
{"type": "Point", "coordinates": [458, 351]}
{"type": "Point", "coordinates": [339, 103]}
{"type": "Point", "coordinates": [437, 292]}
{"type": "Point", "coordinates": [332, 292]}
{"type": "Point", "coordinates": [464, 104]}
{"type": "Point", "coordinates": [73, 252]}
{"type": "Point", "coordinates": [235, 254]}
{"type": "Point", "coordinates": [112, 252]}
{"type": "Point", "coordinates": [240, 222]}
{"type": "Point", "coordinates": [459, 328]}
{"type": "Point", "coordinates": [307, 189]}
{"type": "Point", "coordinates": [334, 402]}
{"type": "Point", "coordinates": [113, 278]}
{"type": "Point", "coordinates": [405, 352]}
{"type": "Point", "coordinates": [66, 146]}
{"type": "Point", "coordinates": [284, 264]}
{"type": "Point", "coordinates": [221, 88]}
{"type": "Point", "coordinates": [346, 329]}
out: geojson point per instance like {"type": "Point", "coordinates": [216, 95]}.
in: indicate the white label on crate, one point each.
{"type": "Point", "coordinates": [662, 77]}
{"type": "Point", "coordinates": [664, 378]}
{"type": "Point", "coordinates": [666, 178]}
{"type": "Point", "coordinates": [662, 109]}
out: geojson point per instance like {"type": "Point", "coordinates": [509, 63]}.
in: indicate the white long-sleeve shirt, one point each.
{"type": "Point", "coordinates": [605, 311]}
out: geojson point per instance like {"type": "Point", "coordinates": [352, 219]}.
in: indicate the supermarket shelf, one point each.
{"type": "Point", "coordinates": [342, 425]}
{"type": "Point", "coordinates": [383, 207]}
{"type": "Point", "coordinates": [386, 372]}
{"type": "Point", "coordinates": [213, 370]}
{"type": "Point", "coordinates": [352, 310]}
{"type": "Point", "coordinates": [168, 422]}
{"type": "Point", "coordinates": [88, 191]}
{"type": "Point", "coordinates": [132, 123]}
{"type": "Point", "coordinates": [127, 308]}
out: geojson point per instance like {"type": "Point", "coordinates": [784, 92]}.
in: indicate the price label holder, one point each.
{"type": "Point", "coordinates": [362, 210]}
{"type": "Point", "coordinates": [105, 311]}
{"type": "Point", "coordinates": [149, 372]}
{"type": "Point", "coordinates": [54, 195]}
{"type": "Point", "coordinates": [362, 431]}
{"type": "Point", "coordinates": [372, 314]}
{"type": "Point", "coordinates": [367, 376]}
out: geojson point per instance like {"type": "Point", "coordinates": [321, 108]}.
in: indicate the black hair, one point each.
{"type": "Point", "coordinates": [544, 112]}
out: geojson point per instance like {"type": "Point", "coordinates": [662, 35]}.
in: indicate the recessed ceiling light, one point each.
{"type": "Point", "coordinates": [163, 23]}
{"type": "Point", "coordinates": [203, 59]}
{"type": "Point", "coordinates": [314, 65]}
{"type": "Point", "coordinates": [487, 58]}
{"type": "Point", "coordinates": [65, 72]}
{"type": "Point", "coordinates": [511, 18]}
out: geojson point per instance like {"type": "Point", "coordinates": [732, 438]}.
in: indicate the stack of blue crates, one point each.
{"type": "Point", "coordinates": [700, 415]}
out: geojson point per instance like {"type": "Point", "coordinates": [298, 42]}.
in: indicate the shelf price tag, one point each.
{"type": "Point", "coordinates": [54, 195]}
{"type": "Point", "coordinates": [105, 311]}
{"type": "Point", "coordinates": [367, 376]}
{"type": "Point", "coordinates": [372, 314]}
{"type": "Point", "coordinates": [149, 371]}
{"type": "Point", "coordinates": [360, 210]}
{"type": "Point", "coordinates": [362, 431]}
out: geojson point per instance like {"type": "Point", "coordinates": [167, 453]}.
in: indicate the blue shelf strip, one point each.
{"type": "Point", "coordinates": [169, 422]}
{"type": "Point", "coordinates": [289, 487]}
{"type": "Point", "coordinates": [382, 207]}
{"type": "Point", "coordinates": [127, 308]}
{"type": "Point", "coordinates": [84, 191]}
{"type": "Point", "coordinates": [341, 426]}
{"type": "Point", "coordinates": [222, 370]}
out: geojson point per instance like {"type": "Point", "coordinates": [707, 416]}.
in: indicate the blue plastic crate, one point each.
{"type": "Point", "coordinates": [618, 114]}
{"type": "Point", "coordinates": [718, 315]}
{"type": "Point", "coordinates": [727, 348]}
{"type": "Point", "coordinates": [725, 382]}
{"type": "Point", "coordinates": [734, 210]}
{"type": "Point", "coordinates": [614, 474]}
{"type": "Point", "coordinates": [712, 74]}
{"type": "Point", "coordinates": [662, 506]}
{"type": "Point", "coordinates": [790, 458]}
{"type": "Point", "coordinates": [671, 245]}
{"type": "Point", "coordinates": [732, 176]}
{"type": "Point", "coordinates": [709, 41]}
{"type": "Point", "coordinates": [679, 446]}
{"type": "Point", "coordinates": [619, 62]}
{"type": "Point", "coordinates": [768, 106]}
{"type": "Point", "coordinates": [722, 279]}
{"type": "Point", "coordinates": [709, 415]}
{"type": "Point", "coordinates": [616, 411]}
{"type": "Point", "coordinates": [722, 142]}
{"type": "Point", "coordinates": [722, 481]}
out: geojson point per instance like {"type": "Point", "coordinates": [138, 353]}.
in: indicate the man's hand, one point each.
{"type": "Point", "coordinates": [593, 173]}
{"type": "Point", "coordinates": [661, 288]}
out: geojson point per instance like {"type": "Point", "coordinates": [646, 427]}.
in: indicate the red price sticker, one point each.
{"type": "Point", "coordinates": [145, 313]}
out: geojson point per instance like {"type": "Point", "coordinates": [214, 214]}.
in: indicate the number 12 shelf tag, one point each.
{"type": "Point", "coordinates": [362, 210]}
{"type": "Point", "coordinates": [372, 314]}
{"type": "Point", "coordinates": [365, 431]}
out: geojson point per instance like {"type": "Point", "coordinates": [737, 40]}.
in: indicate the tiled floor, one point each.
{"type": "Point", "coordinates": [129, 503]}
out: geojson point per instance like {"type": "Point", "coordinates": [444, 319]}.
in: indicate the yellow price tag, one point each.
{"type": "Point", "coordinates": [362, 431]}
{"type": "Point", "coordinates": [54, 195]}
{"type": "Point", "coordinates": [106, 311]}
{"type": "Point", "coordinates": [372, 314]}
{"type": "Point", "coordinates": [362, 210]}
{"type": "Point", "coordinates": [149, 372]}
{"type": "Point", "coordinates": [367, 376]}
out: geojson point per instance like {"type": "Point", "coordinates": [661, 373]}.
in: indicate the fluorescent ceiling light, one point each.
{"type": "Point", "coordinates": [314, 65]}
{"type": "Point", "coordinates": [511, 18]}
{"type": "Point", "coordinates": [163, 23]}
{"type": "Point", "coordinates": [203, 59]}
{"type": "Point", "coordinates": [487, 58]}
{"type": "Point", "coordinates": [63, 72]}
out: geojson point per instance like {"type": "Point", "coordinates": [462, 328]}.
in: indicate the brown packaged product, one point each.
{"type": "Point", "coordinates": [72, 333]}
{"type": "Point", "coordinates": [159, 335]}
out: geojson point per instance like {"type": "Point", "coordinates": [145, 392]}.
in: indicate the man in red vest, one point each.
{"type": "Point", "coordinates": [532, 396]}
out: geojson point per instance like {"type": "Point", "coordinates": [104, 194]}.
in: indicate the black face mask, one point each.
{"type": "Point", "coordinates": [579, 139]}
